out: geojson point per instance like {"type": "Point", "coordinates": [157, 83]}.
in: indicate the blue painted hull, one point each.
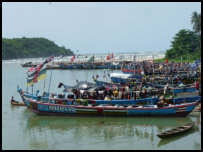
{"type": "Point", "coordinates": [72, 108]}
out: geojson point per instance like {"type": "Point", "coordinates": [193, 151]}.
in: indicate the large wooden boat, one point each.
{"type": "Point", "coordinates": [125, 107]}
{"type": "Point", "coordinates": [176, 131]}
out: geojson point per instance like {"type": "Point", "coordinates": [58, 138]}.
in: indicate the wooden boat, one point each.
{"type": "Point", "coordinates": [13, 102]}
{"type": "Point", "coordinates": [28, 64]}
{"type": "Point", "coordinates": [176, 131]}
{"type": "Point", "coordinates": [124, 107]}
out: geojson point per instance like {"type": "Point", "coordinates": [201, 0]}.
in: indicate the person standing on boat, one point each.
{"type": "Point", "coordinates": [197, 85]}
{"type": "Point", "coordinates": [166, 89]}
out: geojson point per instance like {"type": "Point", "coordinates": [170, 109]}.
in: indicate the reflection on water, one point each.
{"type": "Point", "coordinates": [42, 128]}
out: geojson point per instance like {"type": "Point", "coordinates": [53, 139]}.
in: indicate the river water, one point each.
{"type": "Point", "coordinates": [24, 130]}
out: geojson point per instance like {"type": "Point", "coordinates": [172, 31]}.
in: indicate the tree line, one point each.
{"type": "Point", "coordinates": [187, 43]}
{"type": "Point", "coordinates": [31, 48]}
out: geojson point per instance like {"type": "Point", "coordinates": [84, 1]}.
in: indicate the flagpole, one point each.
{"type": "Point", "coordinates": [32, 89]}
{"type": "Point", "coordinates": [50, 78]}
{"type": "Point", "coordinates": [44, 84]}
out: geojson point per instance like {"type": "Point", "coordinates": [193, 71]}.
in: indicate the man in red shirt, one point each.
{"type": "Point", "coordinates": [197, 85]}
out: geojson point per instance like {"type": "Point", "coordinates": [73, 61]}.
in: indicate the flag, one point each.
{"type": "Point", "coordinates": [31, 69]}
{"type": "Point", "coordinates": [36, 76]}
{"type": "Point", "coordinates": [72, 59]}
{"type": "Point", "coordinates": [166, 61]}
{"type": "Point", "coordinates": [108, 57]}
{"type": "Point", "coordinates": [91, 59]}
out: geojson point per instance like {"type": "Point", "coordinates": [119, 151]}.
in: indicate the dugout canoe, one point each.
{"type": "Point", "coordinates": [176, 131]}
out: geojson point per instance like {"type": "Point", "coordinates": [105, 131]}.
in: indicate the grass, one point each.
{"type": "Point", "coordinates": [171, 60]}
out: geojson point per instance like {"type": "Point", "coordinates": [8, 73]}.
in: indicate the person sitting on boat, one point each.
{"type": "Point", "coordinates": [134, 95]}
{"type": "Point", "coordinates": [90, 95]}
{"type": "Point", "coordinates": [115, 93]}
{"type": "Point", "coordinates": [94, 95]}
{"type": "Point", "coordinates": [85, 95]}
{"type": "Point", "coordinates": [145, 94]}
{"type": "Point", "coordinates": [119, 94]}
{"type": "Point", "coordinates": [107, 98]}
{"type": "Point", "coordinates": [76, 93]}
{"type": "Point", "coordinates": [101, 95]}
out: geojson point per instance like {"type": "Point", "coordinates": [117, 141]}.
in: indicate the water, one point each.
{"type": "Point", "coordinates": [24, 130]}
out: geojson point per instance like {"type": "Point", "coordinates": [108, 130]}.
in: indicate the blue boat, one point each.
{"type": "Point", "coordinates": [75, 107]}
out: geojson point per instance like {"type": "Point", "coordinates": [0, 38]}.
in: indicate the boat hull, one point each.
{"type": "Point", "coordinates": [75, 110]}
{"type": "Point", "coordinates": [144, 107]}
{"type": "Point", "coordinates": [176, 131]}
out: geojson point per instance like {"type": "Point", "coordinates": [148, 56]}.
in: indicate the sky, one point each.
{"type": "Point", "coordinates": [100, 27]}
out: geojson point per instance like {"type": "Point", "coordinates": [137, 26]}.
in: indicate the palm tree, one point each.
{"type": "Point", "coordinates": [196, 21]}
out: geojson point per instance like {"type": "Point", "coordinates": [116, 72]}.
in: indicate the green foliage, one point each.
{"type": "Point", "coordinates": [31, 48]}
{"type": "Point", "coordinates": [186, 43]}
{"type": "Point", "coordinates": [162, 60]}
{"type": "Point", "coordinates": [196, 21]}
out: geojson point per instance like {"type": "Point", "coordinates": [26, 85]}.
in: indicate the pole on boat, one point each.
{"type": "Point", "coordinates": [32, 89]}
{"type": "Point", "coordinates": [50, 77]}
{"type": "Point", "coordinates": [44, 85]}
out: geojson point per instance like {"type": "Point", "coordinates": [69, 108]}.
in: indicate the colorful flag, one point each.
{"type": "Point", "coordinates": [36, 77]}
{"type": "Point", "coordinates": [31, 69]}
{"type": "Point", "coordinates": [35, 74]}
{"type": "Point", "coordinates": [72, 59]}
{"type": "Point", "coordinates": [108, 57]}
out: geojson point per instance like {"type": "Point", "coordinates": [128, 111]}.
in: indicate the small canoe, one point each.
{"type": "Point", "coordinates": [176, 131]}
{"type": "Point", "coordinates": [13, 102]}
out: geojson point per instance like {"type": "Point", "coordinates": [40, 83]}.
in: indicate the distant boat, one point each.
{"type": "Point", "coordinates": [28, 64]}
{"type": "Point", "coordinates": [176, 131]}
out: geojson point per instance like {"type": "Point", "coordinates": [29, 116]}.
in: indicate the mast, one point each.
{"type": "Point", "coordinates": [50, 78]}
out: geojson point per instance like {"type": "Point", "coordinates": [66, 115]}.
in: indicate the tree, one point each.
{"type": "Point", "coordinates": [185, 43]}
{"type": "Point", "coordinates": [196, 21]}
{"type": "Point", "coordinates": [31, 48]}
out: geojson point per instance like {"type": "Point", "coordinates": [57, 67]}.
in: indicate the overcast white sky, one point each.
{"type": "Point", "coordinates": [99, 27]}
